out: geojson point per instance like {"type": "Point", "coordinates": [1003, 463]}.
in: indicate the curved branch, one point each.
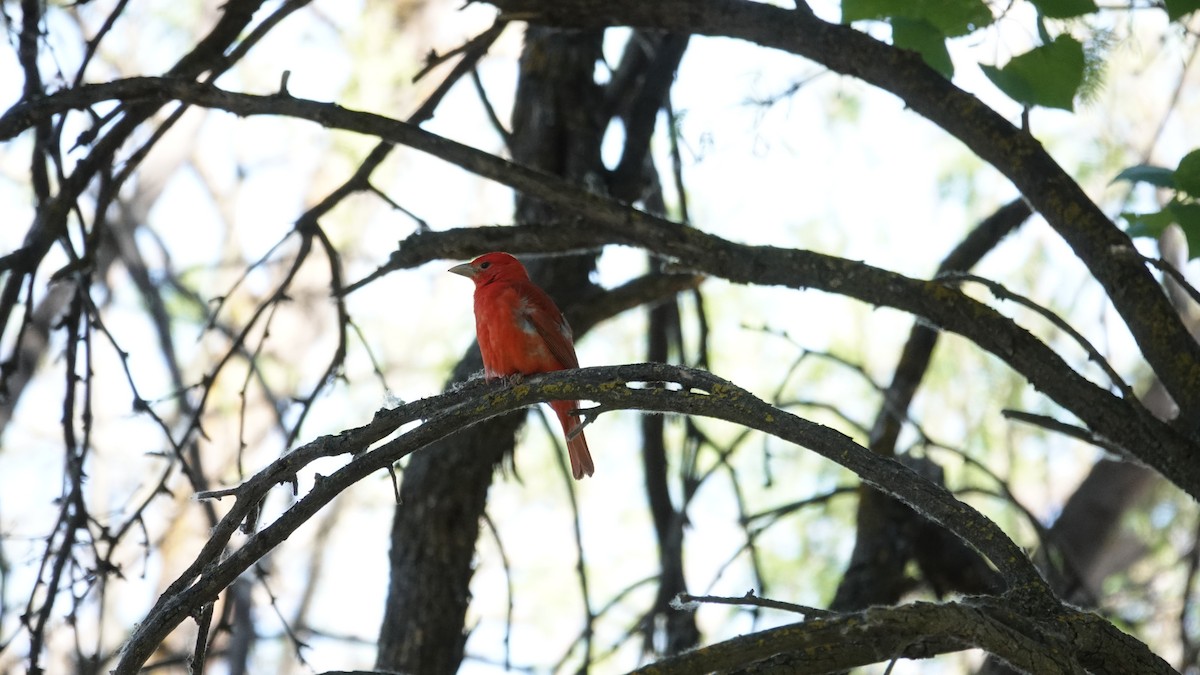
{"type": "Point", "coordinates": [1166, 344]}
{"type": "Point", "coordinates": [1060, 642]}
{"type": "Point", "coordinates": [608, 222]}
{"type": "Point", "coordinates": [688, 391]}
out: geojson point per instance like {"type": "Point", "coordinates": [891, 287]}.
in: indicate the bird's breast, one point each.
{"type": "Point", "coordinates": [508, 339]}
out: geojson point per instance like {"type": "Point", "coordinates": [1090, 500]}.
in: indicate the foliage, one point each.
{"type": "Point", "coordinates": [1049, 75]}
{"type": "Point", "coordinates": [1183, 208]}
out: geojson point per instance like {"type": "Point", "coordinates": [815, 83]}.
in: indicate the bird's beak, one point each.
{"type": "Point", "coordinates": [464, 269]}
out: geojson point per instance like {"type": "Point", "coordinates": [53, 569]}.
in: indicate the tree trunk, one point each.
{"type": "Point", "coordinates": [557, 127]}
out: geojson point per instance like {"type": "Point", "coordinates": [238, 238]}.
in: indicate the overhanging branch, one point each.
{"type": "Point", "coordinates": [687, 391]}
{"type": "Point", "coordinates": [605, 221]}
{"type": "Point", "coordinates": [1056, 642]}
{"type": "Point", "coordinates": [1160, 334]}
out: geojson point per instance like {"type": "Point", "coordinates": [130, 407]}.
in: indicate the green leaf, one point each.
{"type": "Point", "coordinates": [1178, 8]}
{"type": "Point", "coordinates": [925, 39]}
{"type": "Point", "coordinates": [1144, 173]}
{"type": "Point", "coordinates": [1187, 176]}
{"type": "Point", "coordinates": [1048, 76]}
{"type": "Point", "coordinates": [1148, 224]}
{"type": "Point", "coordinates": [950, 17]}
{"type": "Point", "coordinates": [1064, 9]}
{"type": "Point", "coordinates": [1188, 217]}
{"type": "Point", "coordinates": [1152, 224]}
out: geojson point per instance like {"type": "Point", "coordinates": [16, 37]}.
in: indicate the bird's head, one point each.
{"type": "Point", "coordinates": [491, 267]}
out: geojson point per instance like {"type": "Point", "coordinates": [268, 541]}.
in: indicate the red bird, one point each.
{"type": "Point", "coordinates": [522, 332]}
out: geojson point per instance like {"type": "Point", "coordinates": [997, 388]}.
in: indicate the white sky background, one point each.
{"type": "Point", "coordinates": [839, 168]}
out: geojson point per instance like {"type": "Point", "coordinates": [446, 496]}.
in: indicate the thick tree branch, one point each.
{"type": "Point", "coordinates": [1164, 341]}
{"type": "Point", "coordinates": [636, 94]}
{"type": "Point", "coordinates": [1119, 422]}
{"type": "Point", "coordinates": [888, 535]}
{"type": "Point", "coordinates": [687, 391]}
{"type": "Point", "coordinates": [1158, 444]}
{"type": "Point", "coordinates": [918, 349]}
{"type": "Point", "coordinates": [1058, 642]}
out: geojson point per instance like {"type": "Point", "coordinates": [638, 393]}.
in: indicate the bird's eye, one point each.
{"type": "Point", "coordinates": [484, 266]}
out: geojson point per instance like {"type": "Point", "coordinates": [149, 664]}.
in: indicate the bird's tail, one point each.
{"type": "Point", "coordinates": [577, 447]}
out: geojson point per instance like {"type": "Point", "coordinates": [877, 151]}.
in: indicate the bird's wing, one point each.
{"type": "Point", "coordinates": [551, 326]}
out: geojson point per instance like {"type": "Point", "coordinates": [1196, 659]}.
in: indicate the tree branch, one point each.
{"type": "Point", "coordinates": [888, 535]}
{"type": "Point", "coordinates": [687, 391]}
{"type": "Point", "coordinates": [1159, 445]}
{"type": "Point", "coordinates": [1057, 642]}
{"type": "Point", "coordinates": [1156, 327]}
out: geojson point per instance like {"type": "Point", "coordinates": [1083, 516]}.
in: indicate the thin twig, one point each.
{"type": "Point", "coordinates": [752, 600]}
